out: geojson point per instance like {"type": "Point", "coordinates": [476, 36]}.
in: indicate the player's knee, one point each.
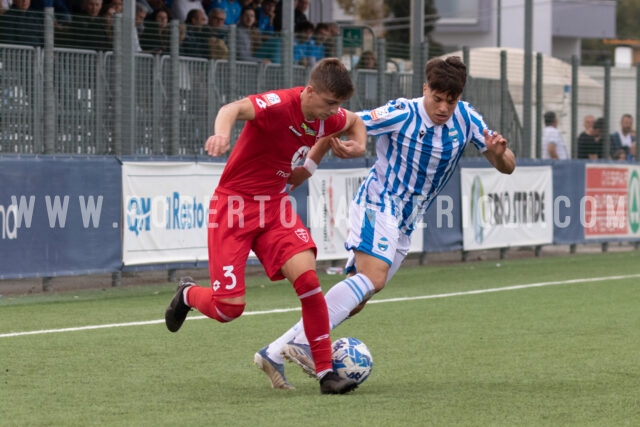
{"type": "Point", "coordinates": [226, 312]}
{"type": "Point", "coordinates": [307, 284]}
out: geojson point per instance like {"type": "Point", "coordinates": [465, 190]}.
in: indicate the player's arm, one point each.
{"type": "Point", "coordinates": [219, 143]}
{"type": "Point", "coordinates": [354, 146]}
{"type": "Point", "coordinates": [356, 142]}
{"type": "Point", "coordinates": [498, 154]}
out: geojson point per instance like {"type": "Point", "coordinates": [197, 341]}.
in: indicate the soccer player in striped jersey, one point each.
{"type": "Point", "coordinates": [419, 144]}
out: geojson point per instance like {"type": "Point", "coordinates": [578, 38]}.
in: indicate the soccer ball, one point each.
{"type": "Point", "coordinates": [351, 359]}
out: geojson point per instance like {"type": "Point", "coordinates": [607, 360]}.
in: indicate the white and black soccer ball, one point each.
{"type": "Point", "coordinates": [351, 359]}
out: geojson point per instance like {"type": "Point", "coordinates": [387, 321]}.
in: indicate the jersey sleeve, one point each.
{"type": "Point", "coordinates": [335, 123]}
{"type": "Point", "coordinates": [476, 128]}
{"type": "Point", "coordinates": [262, 104]}
{"type": "Point", "coordinates": [385, 119]}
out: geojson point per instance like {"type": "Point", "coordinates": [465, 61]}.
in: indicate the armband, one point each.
{"type": "Point", "coordinates": [310, 165]}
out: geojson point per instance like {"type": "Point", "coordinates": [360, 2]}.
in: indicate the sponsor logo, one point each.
{"type": "Point", "coordinates": [383, 244]}
{"type": "Point", "coordinates": [422, 133]}
{"type": "Point", "coordinates": [295, 131]}
{"type": "Point", "coordinates": [308, 130]}
{"type": "Point", "coordinates": [302, 234]}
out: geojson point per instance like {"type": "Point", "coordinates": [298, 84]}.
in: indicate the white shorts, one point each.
{"type": "Point", "coordinates": [376, 233]}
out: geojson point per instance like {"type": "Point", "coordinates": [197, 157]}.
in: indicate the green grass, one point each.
{"type": "Point", "coordinates": [562, 355]}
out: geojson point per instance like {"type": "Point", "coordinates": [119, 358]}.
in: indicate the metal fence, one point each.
{"type": "Point", "coordinates": [174, 99]}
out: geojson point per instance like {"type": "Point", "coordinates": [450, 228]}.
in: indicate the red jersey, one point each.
{"type": "Point", "coordinates": [273, 143]}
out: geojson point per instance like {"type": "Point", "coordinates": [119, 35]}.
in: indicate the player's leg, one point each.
{"type": "Point", "coordinates": [300, 270]}
{"type": "Point", "coordinates": [287, 251]}
{"type": "Point", "coordinates": [224, 300]}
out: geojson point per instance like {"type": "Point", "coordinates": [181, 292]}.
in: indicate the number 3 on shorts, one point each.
{"type": "Point", "coordinates": [228, 272]}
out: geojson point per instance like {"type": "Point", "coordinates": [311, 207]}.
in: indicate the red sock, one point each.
{"type": "Point", "coordinates": [202, 299]}
{"type": "Point", "coordinates": [315, 318]}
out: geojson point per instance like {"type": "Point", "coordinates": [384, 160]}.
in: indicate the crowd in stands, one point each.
{"type": "Point", "coordinates": [88, 24]}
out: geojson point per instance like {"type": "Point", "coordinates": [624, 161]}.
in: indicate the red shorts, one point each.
{"type": "Point", "coordinates": [239, 224]}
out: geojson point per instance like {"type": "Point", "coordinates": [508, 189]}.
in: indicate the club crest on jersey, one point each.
{"type": "Point", "coordinates": [383, 244]}
{"type": "Point", "coordinates": [308, 130]}
{"type": "Point", "coordinates": [302, 234]}
{"type": "Point", "coordinates": [299, 155]}
{"type": "Point", "coordinates": [453, 135]}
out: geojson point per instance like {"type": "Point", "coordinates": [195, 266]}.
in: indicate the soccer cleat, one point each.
{"type": "Point", "coordinates": [275, 371]}
{"type": "Point", "coordinates": [177, 311]}
{"type": "Point", "coordinates": [300, 354]}
{"type": "Point", "coordinates": [333, 383]}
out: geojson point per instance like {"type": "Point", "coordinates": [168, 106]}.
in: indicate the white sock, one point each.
{"type": "Point", "coordinates": [273, 349]}
{"type": "Point", "coordinates": [341, 299]}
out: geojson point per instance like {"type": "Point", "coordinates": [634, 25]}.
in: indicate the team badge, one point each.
{"type": "Point", "coordinates": [383, 244]}
{"type": "Point", "coordinates": [302, 234]}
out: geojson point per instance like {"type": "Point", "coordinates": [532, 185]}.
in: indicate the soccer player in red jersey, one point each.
{"type": "Point", "coordinates": [250, 209]}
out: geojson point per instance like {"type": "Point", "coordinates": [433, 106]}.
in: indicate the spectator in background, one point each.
{"type": "Point", "coordinates": [624, 140]}
{"type": "Point", "coordinates": [586, 136]}
{"type": "Point", "coordinates": [303, 46]}
{"type": "Point", "coordinates": [181, 8]}
{"type": "Point", "coordinates": [320, 35]}
{"type": "Point", "coordinates": [248, 36]}
{"type": "Point", "coordinates": [266, 14]}
{"type": "Point", "coordinates": [217, 27]}
{"type": "Point", "coordinates": [330, 45]}
{"type": "Point", "coordinates": [553, 146]}
{"type": "Point", "coordinates": [299, 8]}
{"type": "Point", "coordinates": [367, 61]}
{"type": "Point", "coordinates": [232, 8]}
{"type": "Point", "coordinates": [87, 29]}
{"type": "Point", "coordinates": [156, 37]}
{"type": "Point", "coordinates": [107, 13]}
{"type": "Point", "coordinates": [300, 11]}
{"type": "Point", "coordinates": [196, 43]}
{"type": "Point", "coordinates": [61, 9]}
{"type": "Point", "coordinates": [590, 145]}
{"type": "Point", "coordinates": [18, 25]}
{"type": "Point", "coordinates": [142, 10]}
{"type": "Point", "coordinates": [218, 32]}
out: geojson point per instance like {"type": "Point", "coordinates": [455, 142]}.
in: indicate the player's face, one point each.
{"type": "Point", "coordinates": [439, 106]}
{"type": "Point", "coordinates": [320, 105]}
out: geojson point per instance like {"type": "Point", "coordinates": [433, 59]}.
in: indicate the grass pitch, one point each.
{"type": "Point", "coordinates": [539, 342]}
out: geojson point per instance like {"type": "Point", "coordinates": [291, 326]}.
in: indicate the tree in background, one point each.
{"type": "Point", "coordinates": [395, 31]}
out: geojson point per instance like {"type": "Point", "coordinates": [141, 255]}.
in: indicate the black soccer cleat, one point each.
{"type": "Point", "coordinates": [332, 383]}
{"type": "Point", "coordinates": [177, 311]}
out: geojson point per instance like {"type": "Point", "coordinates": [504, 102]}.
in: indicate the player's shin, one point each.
{"type": "Point", "coordinates": [315, 318]}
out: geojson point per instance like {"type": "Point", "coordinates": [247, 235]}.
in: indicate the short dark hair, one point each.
{"type": "Point", "coordinates": [599, 124]}
{"type": "Point", "coordinates": [549, 118]}
{"type": "Point", "coordinates": [330, 75]}
{"type": "Point", "coordinates": [446, 75]}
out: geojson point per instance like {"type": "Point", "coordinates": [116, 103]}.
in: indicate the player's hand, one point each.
{"type": "Point", "coordinates": [298, 175]}
{"type": "Point", "coordinates": [348, 149]}
{"type": "Point", "coordinates": [217, 145]}
{"type": "Point", "coordinates": [495, 143]}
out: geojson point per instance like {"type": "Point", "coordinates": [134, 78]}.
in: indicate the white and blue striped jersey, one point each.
{"type": "Point", "coordinates": [415, 157]}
